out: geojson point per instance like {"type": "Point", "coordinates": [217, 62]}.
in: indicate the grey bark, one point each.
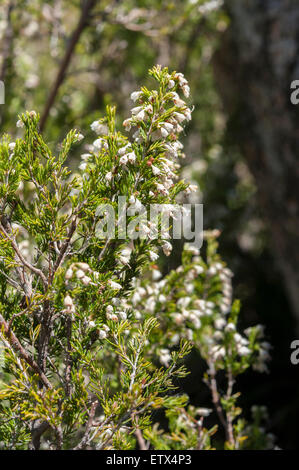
{"type": "Point", "coordinates": [257, 60]}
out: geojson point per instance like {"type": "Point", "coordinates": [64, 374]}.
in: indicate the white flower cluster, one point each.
{"type": "Point", "coordinates": [82, 272]}
{"type": "Point", "coordinates": [239, 342]}
{"type": "Point", "coordinates": [99, 128]}
{"type": "Point", "coordinates": [127, 155]}
{"type": "Point", "coordinates": [79, 136]}
{"type": "Point", "coordinates": [125, 254]}
{"type": "Point", "coordinates": [210, 6]}
{"type": "Point", "coordinates": [165, 357]}
{"type": "Point", "coordinates": [204, 321]}
{"type": "Point", "coordinates": [157, 124]}
{"type": "Point", "coordinates": [151, 299]}
{"type": "Point", "coordinates": [260, 364]}
{"type": "Point", "coordinates": [157, 120]}
{"type": "Point", "coordinates": [24, 248]}
{"type": "Point", "coordinates": [84, 157]}
{"type": "Point", "coordinates": [114, 285]}
{"type": "Point", "coordinates": [192, 311]}
{"type": "Point", "coordinates": [103, 332]}
{"type": "Point", "coordinates": [69, 305]}
{"type": "Point", "coordinates": [98, 145]}
{"type": "Point", "coordinates": [117, 310]}
{"type": "Point", "coordinates": [225, 275]}
{"type": "Point", "coordinates": [20, 123]}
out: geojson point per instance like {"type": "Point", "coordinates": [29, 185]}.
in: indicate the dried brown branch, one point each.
{"type": "Point", "coordinates": [7, 40]}
{"type": "Point", "coordinates": [82, 24]}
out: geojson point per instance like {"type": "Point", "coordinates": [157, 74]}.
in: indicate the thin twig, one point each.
{"type": "Point", "coordinates": [82, 444]}
{"type": "Point", "coordinates": [138, 433]}
{"type": "Point", "coordinates": [216, 398]}
{"type": "Point", "coordinates": [229, 416]}
{"type": "Point", "coordinates": [15, 343]}
{"type": "Point", "coordinates": [21, 257]}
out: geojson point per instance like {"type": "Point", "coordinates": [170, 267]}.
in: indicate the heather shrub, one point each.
{"type": "Point", "coordinates": [93, 339]}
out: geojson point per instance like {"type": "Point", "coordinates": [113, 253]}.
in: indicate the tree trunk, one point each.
{"type": "Point", "coordinates": [257, 60]}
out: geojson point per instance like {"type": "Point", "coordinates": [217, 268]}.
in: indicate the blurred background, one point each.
{"type": "Point", "coordinates": [68, 59]}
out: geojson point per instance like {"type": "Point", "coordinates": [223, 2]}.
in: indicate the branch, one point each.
{"type": "Point", "coordinates": [195, 33]}
{"type": "Point", "coordinates": [21, 257]}
{"type": "Point", "coordinates": [138, 433]}
{"type": "Point", "coordinates": [216, 398]}
{"type": "Point", "coordinates": [7, 40]}
{"type": "Point", "coordinates": [16, 345]}
{"type": "Point", "coordinates": [82, 23]}
{"type": "Point", "coordinates": [11, 281]}
{"type": "Point", "coordinates": [229, 415]}
{"type": "Point", "coordinates": [37, 433]}
{"type": "Point", "coordinates": [134, 366]}
{"type": "Point", "coordinates": [82, 444]}
{"type": "Point", "coordinates": [65, 246]}
{"type": "Point", "coordinates": [68, 367]}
